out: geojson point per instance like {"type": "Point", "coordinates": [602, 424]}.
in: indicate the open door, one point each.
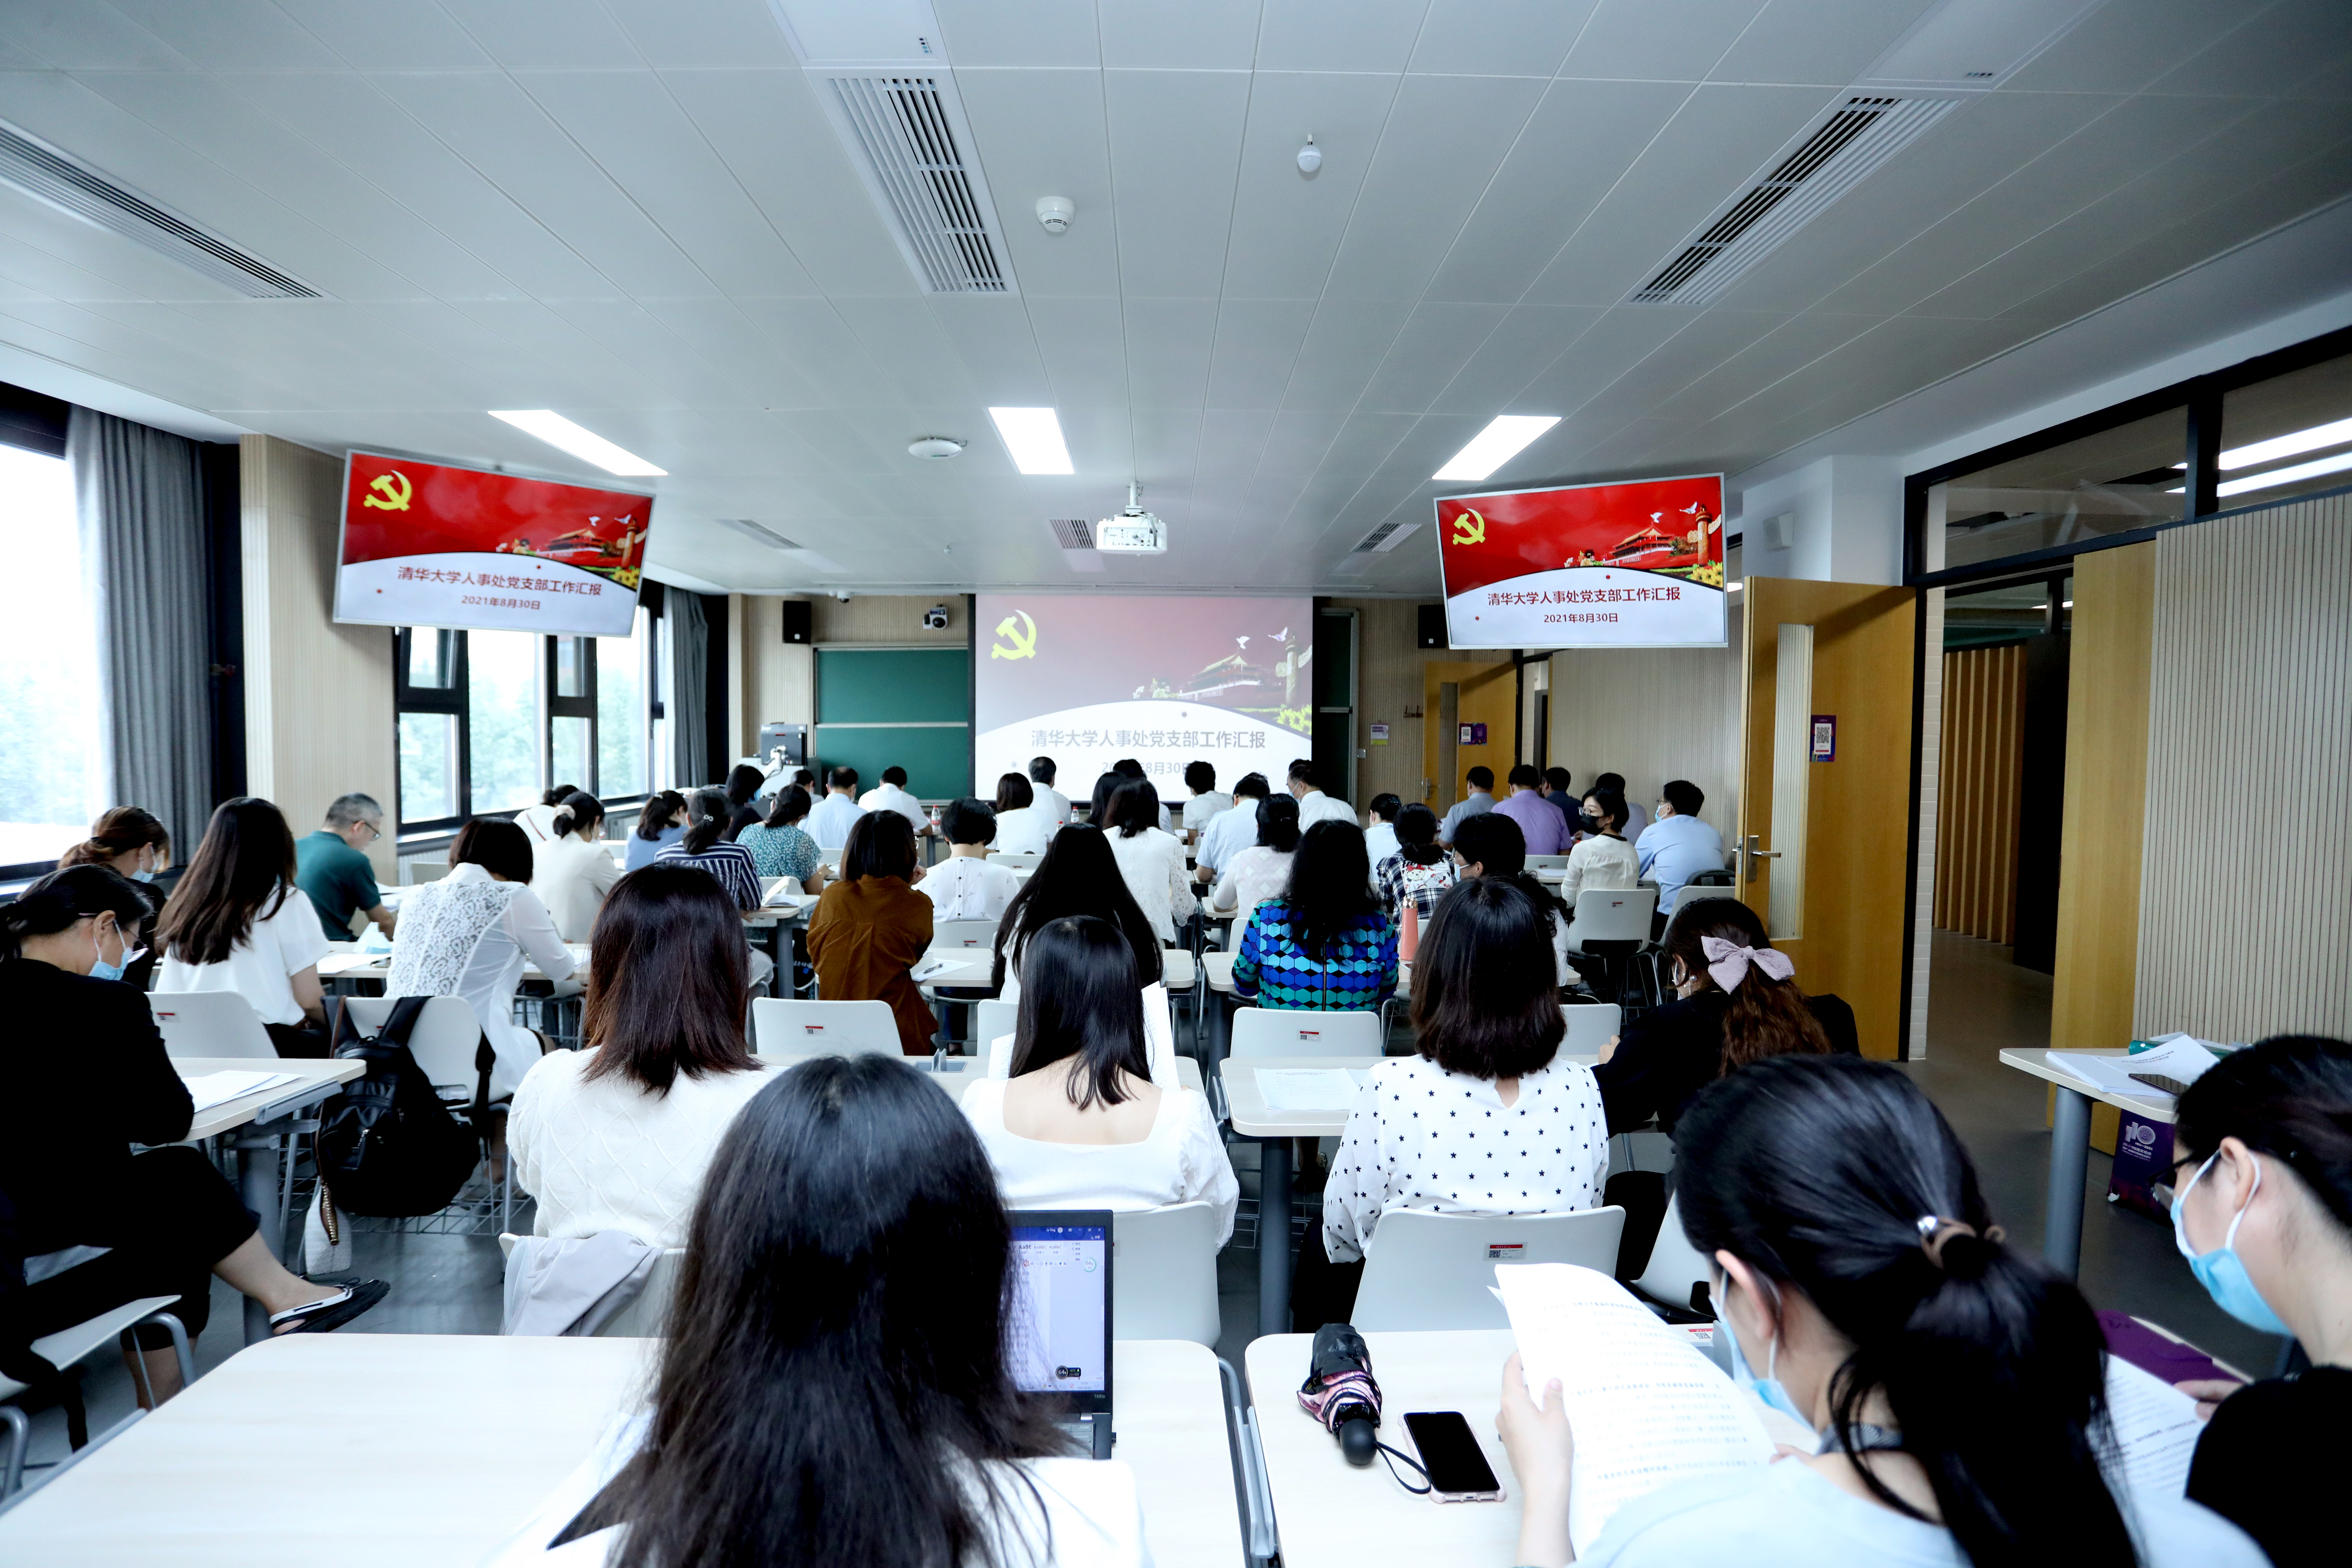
{"type": "Point", "coordinates": [1825, 787]}
{"type": "Point", "coordinates": [1470, 708]}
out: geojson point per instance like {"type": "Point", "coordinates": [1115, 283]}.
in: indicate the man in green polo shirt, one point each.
{"type": "Point", "coordinates": [332, 871]}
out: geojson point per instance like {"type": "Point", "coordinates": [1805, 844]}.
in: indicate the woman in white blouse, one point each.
{"type": "Point", "coordinates": [1079, 1124]}
{"type": "Point", "coordinates": [966, 886]}
{"type": "Point", "coordinates": [1024, 826]}
{"type": "Point", "coordinates": [1150, 857]}
{"type": "Point", "coordinates": [1603, 860]}
{"type": "Point", "coordinates": [1262, 871]}
{"type": "Point", "coordinates": [235, 922]}
{"type": "Point", "coordinates": [1483, 1120]}
{"type": "Point", "coordinates": [468, 935]}
{"type": "Point", "coordinates": [617, 1136]}
{"type": "Point", "coordinates": [572, 871]}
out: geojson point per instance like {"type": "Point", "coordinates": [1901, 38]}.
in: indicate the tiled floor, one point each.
{"type": "Point", "coordinates": [1980, 1003]}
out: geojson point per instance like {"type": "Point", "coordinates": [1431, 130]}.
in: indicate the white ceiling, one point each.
{"type": "Point", "coordinates": [635, 212]}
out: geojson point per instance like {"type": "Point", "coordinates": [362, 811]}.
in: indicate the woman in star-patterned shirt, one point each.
{"type": "Point", "coordinates": [1483, 1120]}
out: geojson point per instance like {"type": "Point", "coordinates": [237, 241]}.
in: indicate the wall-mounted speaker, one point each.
{"type": "Point", "coordinates": [800, 621]}
{"type": "Point", "coordinates": [1432, 626]}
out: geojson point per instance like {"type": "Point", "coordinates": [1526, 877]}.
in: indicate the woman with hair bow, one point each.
{"type": "Point", "coordinates": [1735, 1002]}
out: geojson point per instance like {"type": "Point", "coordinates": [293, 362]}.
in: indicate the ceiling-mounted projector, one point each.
{"type": "Point", "coordinates": [1133, 531]}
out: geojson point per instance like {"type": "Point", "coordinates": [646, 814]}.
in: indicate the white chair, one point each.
{"type": "Point", "coordinates": [1547, 862]}
{"type": "Point", "coordinates": [209, 1024]}
{"type": "Point", "coordinates": [1435, 1271]}
{"type": "Point", "coordinates": [964, 933]}
{"type": "Point", "coordinates": [1025, 861]}
{"type": "Point", "coordinates": [1164, 1274]}
{"type": "Point", "coordinates": [1675, 1266]}
{"type": "Point", "coordinates": [790, 1029]}
{"type": "Point", "coordinates": [444, 1041]}
{"type": "Point", "coordinates": [1590, 1028]}
{"type": "Point", "coordinates": [991, 1020]}
{"type": "Point", "coordinates": [1606, 915]}
{"type": "Point", "coordinates": [67, 1346]}
{"type": "Point", "coordinates": [1278, 1032]}
{"type": "Point", "coordinates": [647, 1317]}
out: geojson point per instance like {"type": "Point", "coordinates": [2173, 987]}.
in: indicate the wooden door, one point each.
{"type": "Point", "coordinates": [1482, 693]}
{"type": "Point", "coordinates": [1834, 833]}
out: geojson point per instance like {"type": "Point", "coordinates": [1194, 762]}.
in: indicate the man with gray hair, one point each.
{"type": "Point", "coordinates": [332, 866]}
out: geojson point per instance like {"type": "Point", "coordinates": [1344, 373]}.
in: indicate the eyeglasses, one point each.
{"type": "Point", "coordinates": [374, 832]}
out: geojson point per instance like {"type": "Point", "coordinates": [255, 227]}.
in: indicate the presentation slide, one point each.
{"type": "Point", "coordinates": [427, 544]}
{"type": "Point", "coordinates": [1090, 678]}
{"type": "Point", "coordinates": [1636, 564]}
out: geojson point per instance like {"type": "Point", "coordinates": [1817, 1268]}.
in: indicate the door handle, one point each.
{"type": "Point", "coordinates": [1755, 854]}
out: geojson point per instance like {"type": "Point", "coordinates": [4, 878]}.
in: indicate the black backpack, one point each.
{"type": "Point", "coordinates": [387, 1143]}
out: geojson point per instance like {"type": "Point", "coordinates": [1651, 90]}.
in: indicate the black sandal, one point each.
{"type": "Point", "coordinates": [334, 1312]}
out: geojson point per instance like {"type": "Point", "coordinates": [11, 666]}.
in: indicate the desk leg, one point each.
{"type": "Point", "coordinates": [1274, 1236]}
{"type": "Point", "coordinates": [2070, 1164]}
{"type": "Point", "coordinates": [256, 1188]}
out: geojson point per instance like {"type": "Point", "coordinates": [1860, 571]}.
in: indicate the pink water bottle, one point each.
{"type": "Point", "coordinates": [1409, 938]}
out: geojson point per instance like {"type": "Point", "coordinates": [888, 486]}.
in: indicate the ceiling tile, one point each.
{"type": "Point", "coordinates": [1287, 227]}
{"type": "Point", "coordinates": [1659, 40]}
{"type": "Point", "coordinates": [1257, 343]}
{"type": "Point", "coordinates": [369, 34]}
{"type": "Point", "coordinates": [911, 347]}
{"type": "Point", "coordinates": [230, 34]}
{"type": "Point", "coordinates": [723, 33]}
{"type": "Point", "coordinates": [1339, 35]}
{"type": "Point", "coordinates": [86, 37]}
{"type": "Point", "coordinates": [1027, 33]}
{"type": "Point", "coordinates": [1085, 351]}
{"type": "Point", "coordinates": [1173, 138]}
{"type": "Point", "coordinates": [1619, 340]}
{"type": "Point", "coordinates": [812, 334]}
{"type": "Point", "coordinates": [1530, 338]}
{"type": "Point", "coordinates": [2122, 49]}
{"type": "Point", "coordinates": [1043, 134]}
{"type": "Point", "coordinates": [550, 35]}
{"type": "Point", "coordinates": [1199, 35]}
{"type": "Point", "coordinates": [2288, 41]}
{"type": "Point", "coordinates": [1343, 346]}
{"type": "Point", "coordinates": [1828, 42]}
{"type": "Point", "coordinates": [1437, 340]}
{"type": "Point", "coordinates": [1168, 343]}
{"type": "Point", "coordinates": [1787, 349]}
{"type": "Point", "coordinates": [1498, 37]}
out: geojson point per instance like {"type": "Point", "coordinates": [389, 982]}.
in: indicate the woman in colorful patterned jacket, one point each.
{"type": "Point", "coordinates": [1326, 945]}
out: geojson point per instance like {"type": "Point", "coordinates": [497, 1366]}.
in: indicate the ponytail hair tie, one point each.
{"type": "Point", "coordinates": [1934, 1231]}
{"type": "Point", "coordinates": [1727, 962]}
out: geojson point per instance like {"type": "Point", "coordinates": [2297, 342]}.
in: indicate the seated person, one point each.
{"type": "Point", "coordinates": [83, 1078]}
{"type": "Point", "coordinates": [1489, 844]}
{"type": "Point", "coordinates": [781, 847]}
{"type": "Point", "coordinates": [237, 921]}
{"type": "Point", "coordinates": [1149, 857]}
{"type": "Point", "coordinates": [2263, 1214]}
{"type": "Point", "coordinates": [1262, 871]}
{"type": "Point", "coordinates": [1735, 1002]}
{"type": "Point", "coordinates": [572, 870]}
{"type": "Point", "coordinates": [1379, 834]}
{"type": "Point", "coordinates": [1232, 831]}
{"type": "Point", "coordinates": [1078, 876]}
{"type": "Point", "coordinates": [660, 824]}
{"type": "Point", "coordinates": [706, 848]}
{"type": "Point", "coordinates": [965, 886]}
{"type": "Point", "coordinates": [830, 819]}
{"type": "Point", "coordinates": [1417, 872]}
{"type": "Point", "coordinates": [1024, 824]}
{"type": "Point", "coordinates": [1324, 945]}
{"type": "Point", "coordinates": [1959, 1384]}
{"type": "Point", "coordinates": [871, 927]}
{"type": "Point", "coordinates": [1079, 1124]}
{"type": "Point", "coordinates": [334, 871]}
{"type": "Point", "coordinates": [1132, 771]}
{"type": "Point", "coordinates": [538, 821]}
{"type": "Point", "coordinates": [833, 1389]}
{"type": "Point", "coordinates": [1602, 860]}
{"type": "Point", "coordinates": [1207, 799]}
{"type": "Point", "coordinates": [469, 935]}
{"type": "Point", "coordinates": [1521, 1132]}
{"type": "Point", "coordinates": [892, 795]}
{"type": "Point", "coordinates": [130, 843]}
{"type": "Point", "coordinates": [616, 1136]}
{"type": "Point", "coordinates": [1678, 846]}
{"type": "Point", "coordinates": [744, 782]}
{"type": "Point", "coordinates": [1541, 821]}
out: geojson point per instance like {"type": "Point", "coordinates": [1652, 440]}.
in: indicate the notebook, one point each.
{"type": "Point", "coordinates": [1058, 1338]}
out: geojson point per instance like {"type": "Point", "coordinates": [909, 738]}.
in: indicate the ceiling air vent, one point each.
{"type": "Point", "coordinates": [903, 132]}
{"type": "Point", "coordinates": [1856, 138]}
{"type": "Point", "coordinates": [1388, 536]}
{"type": "Point", "coordinates": [1076, 535]}
{"type": "Point", "coordinates": [758, 531]}
{"type": "Point", "coordinates": [70, 185]}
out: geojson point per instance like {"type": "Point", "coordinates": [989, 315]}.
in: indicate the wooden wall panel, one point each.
{"type": "Point", "coordinates": [1652, 715]}
{"type": "Point", "coordinates": [2243, 930]}
{"type": "Point", "coordinates": [1975, 828]}
{"type": "Point", "coordinates": [319, 698]}
{"type": "Point", "coordinates": [2106, 794]}
{"type": "Point", "coordinates": [1390, 690]}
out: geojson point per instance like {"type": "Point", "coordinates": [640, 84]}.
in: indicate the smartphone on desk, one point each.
{"type": "Point", "coordinates": [1458, 1471]}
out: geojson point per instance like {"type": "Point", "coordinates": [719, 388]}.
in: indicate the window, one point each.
{"type": "Point", "coordinates": [50, 702]}
{"type": "Point", "coordinates": [2287, 436]}
{"type": "Point", "coordinates": [489, 720]}
{"type": "Point", "coordinates": [2128, 477]}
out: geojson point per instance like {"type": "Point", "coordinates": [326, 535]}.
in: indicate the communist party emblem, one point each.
{"type": "Point", "coordinates": [1469, 529]}
{"type": "Point", "coordinates": [394, 489]}
{"type": "Point", "coordinates": [1022, 639]}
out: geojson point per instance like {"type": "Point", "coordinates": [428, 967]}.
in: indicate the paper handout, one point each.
{"type": "Point", "coordinates": [211, 1089]}
{"type": "Point", "coordinates": [1310, 1088]}
{"type": "Point", "coordinates": [1645, 1404]}
{"type": "Point", "coordinates": [2176, 1056]}
{"type": "Point", "coordinates": [2156, 1428]}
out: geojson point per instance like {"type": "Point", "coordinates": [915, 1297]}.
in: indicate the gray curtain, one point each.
{"type": "Point", "coordinates": [689, 679]}
{"type": "Point", "coordinates": [140, 494]}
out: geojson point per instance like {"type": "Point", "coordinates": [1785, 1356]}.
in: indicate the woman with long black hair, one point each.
{"type": "Point", "coordinates": [1078, 876]}
{"type": "Point", "coordinates": [237, 923]}
{"type": "Point", "coordinates": [1326, 945]}
{"type": "Point", "coordinates": [707, 847]}
{"type": "Point", "coordinates": [1959, 1384]}
{"type": "Point", "coordinates": [834, 1388]}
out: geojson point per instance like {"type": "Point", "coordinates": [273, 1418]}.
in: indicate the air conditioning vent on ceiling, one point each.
{"type": "Point", "coordinates": [1856, 139]}
{"type": "Point", "coordinates": [902, 129]}
{"type": "Point", "coordinates": [1076, 535]}
{"type": "Point", "coordinates": [758, 531]}
{"type": "Point", "coordinates": [70, 185]}
{"type": "Point", "coordinates": [1388, 536]}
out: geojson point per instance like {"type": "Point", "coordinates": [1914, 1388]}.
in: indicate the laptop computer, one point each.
{"type": "Point", "coordinates": [1058, 1339]}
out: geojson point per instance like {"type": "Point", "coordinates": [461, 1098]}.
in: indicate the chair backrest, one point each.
{"type": "Point", "coordinates": [1675, 1264]}
{"type": "Point", "coordinates": [418, 870]}
{"type": "Point", "coordinates": [209, 1024]}
{"type": "Point", "coordinates": [1547, 862]}
{"type": "Point", "coordinates": [992, 1019]}
{"type": "Point", "coordinates": [443, 1042]}
{"type": "Point", "coordinates": [1693, 891]}
{"type": "Point", "coordinates": [1275, 1032]}
{"type": "Point", "coordinates": [1025, 861]}
{"type": "Point", "coordinates": [963, 934]}
{"type": "Point", "coordinates": [1164, 1274]}
{"type": "Point", "coordinates": [647, 1317]}
{"type": "Point", "coordinates": [1435, 1271]}
{"type": "Point", "coordinates": [783, 1027]}
{"type": "Point", "coordinates": [1589, 1028]}
{"type": "Point", "coordinates": [1615, 915]}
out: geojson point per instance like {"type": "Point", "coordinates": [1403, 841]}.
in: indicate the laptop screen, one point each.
{"type": "Point", "coordinates": [1059, 1339]}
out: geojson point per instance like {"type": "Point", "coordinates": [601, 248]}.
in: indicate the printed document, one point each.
{"type": "Point", "coordinates": [2156, 1430]}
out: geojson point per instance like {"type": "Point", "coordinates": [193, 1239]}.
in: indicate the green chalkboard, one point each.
{"type": "Point", "coordinates": [893, 686]}
{"type": "Point", "coordinates": [937, 761]}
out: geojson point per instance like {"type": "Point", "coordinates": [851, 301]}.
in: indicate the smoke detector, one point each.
{"type": "Point", "coordinates": [934, 447]}
{"type": "Point", "coordinates": [1134, 532]}
{"type": "Point", "coordinates": [1055, 213]}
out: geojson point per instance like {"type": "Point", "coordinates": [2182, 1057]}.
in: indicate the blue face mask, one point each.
{"type": "Point", "coordinates": [2221, 1272]}
{"type": "Point", "coordinates": [1768, 1388]}
{"type": "Point", "coordinates": [142, 876]}
{"type": "Point", "coordinates": [101, 970]}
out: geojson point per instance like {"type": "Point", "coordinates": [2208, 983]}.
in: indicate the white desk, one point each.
{"type": "Point", "coordinates": [267, 1113]}
{"type": "Point", "coordinates": [1245, 1108]}
{"type": "Point", "coordinates": [2070, 1146]}
{"type": "Point", "coordinates": [286, 1454]}
{"type": "Point", "coordinates": [346, 961]}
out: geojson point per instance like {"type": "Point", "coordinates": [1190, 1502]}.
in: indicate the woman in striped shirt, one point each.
{"type": "Point", "coordinates": [707, 813]}
{"type": "Point", "coordinates": [1324, 944]}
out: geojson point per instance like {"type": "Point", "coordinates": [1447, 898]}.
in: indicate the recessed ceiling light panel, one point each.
{"type": "Point", "coordinates": [583, 443]}
{"type": "Point", "coordinates": [1497, 444]}
{"type": "Point", "coordinates": [1034, 436]}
